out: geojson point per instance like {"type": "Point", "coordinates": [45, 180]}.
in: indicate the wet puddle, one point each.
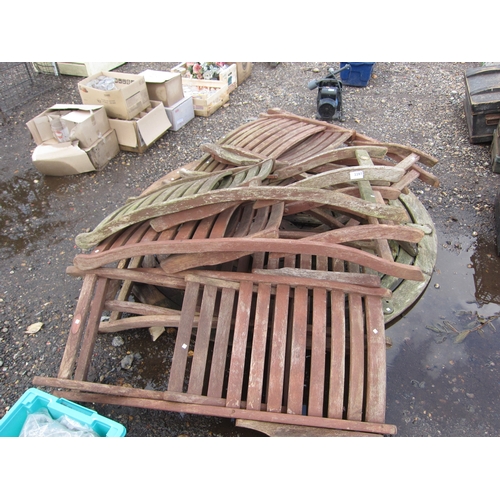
{"type": "Point", "coordinates": [442, 374]}
{"type": "Point", "coordinates": [31, 213]}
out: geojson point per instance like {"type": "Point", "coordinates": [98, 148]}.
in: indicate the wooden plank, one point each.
{"type": "Point", "coordinates": [174, 219]}
{"type": "Point", "coordinates": [130, 214]}
{"type": "Point", "coordinates": [223, 412]}
{"type": "Point", "coordinates": [258, 355]}
{"type": "Point", "coordinates": [376, 362]}
{"type": "Point", "coordinates": [308, 280]}
{"type": "Point", "coordinates": [288, 430]}
{"type": "Point", "coordinates": [278, 349]}
{"type": "Point", "coordinates": [318, 349]}
{"type": "Point", "coordinates": [298, 352]}
{"type": "Point", "coordinates": [251, 245]}
{"type": "Point", "coordinates": [218, 365]}
{"type": "Point", "coordinates": [351, 174]}
{"type": "Point", "coordinates": [77, 327]}
{"type": "Point", "coordinates": [318, 274]}
{"type": "Point", "coordinates": [328, 156]}
{"type": "Point", "coordinates": [337, 355]}
{"type": "Point", "coordinates": [401, 151]}
{"type": "Point", "coordinates": [146, 321]}
{"type": "Point", "coordinates": [89, 338]}
{"type": "Point", "coordinates": [238, 352]}
{"type": "Point", "coordinates": [181, 349]}
{"type": "Point", "coordinates": [356, 358]}
{"type": "Point", "coordinates": [149, 276]}
{"type": "Point", "coordinates": [199, 362]}
{"type": "Point", "coordinates": [367, 232]}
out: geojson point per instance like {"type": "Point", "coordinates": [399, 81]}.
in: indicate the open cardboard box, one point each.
{"type": "Point", "coordinates": [163, 86]}
{"type": "Point", "coordinates": [67, 158]}
{"type": "Point", "coordinates": [85, 123]}
{"type": "Point", "coordinates": [228, 75]}
{"type": "Point", "coordinates": [138, 134]}
{"type": "Point", "coordinates": [126, 100]}
{"type": "Point", "coordinates": [90, 142]}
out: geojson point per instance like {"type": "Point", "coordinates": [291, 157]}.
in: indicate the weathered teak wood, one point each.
{"type": "Point", "coordinates": [249, 246]}
{"type": "Point", "coordinates": [338, 201]}
{"type": "Point", "coordinates": [273, 391]}
{"type": "Point", "coordinates": [287, 247]}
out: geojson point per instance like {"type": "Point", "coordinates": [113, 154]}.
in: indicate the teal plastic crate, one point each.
{"type": "Point", "coordinates": [34, 400]}
{"type": "Point", "coordinates": [358, 75]}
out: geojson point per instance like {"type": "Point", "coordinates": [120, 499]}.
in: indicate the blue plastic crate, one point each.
{"type": "Point", "coordinates": [34, 399]}
{"type": "Point", "coordinates": [358, 75]}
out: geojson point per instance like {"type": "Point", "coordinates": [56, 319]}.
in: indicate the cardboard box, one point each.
{"type": "Point", "coordinates": [228, 75]}
{"type": "Point", "coordinates": [85, 68]}
{"type": "Point", "coordinates": [138, 134]}
{"type": "Point", "coordinates": [84, 123]}
{"type": "Point", "coordinates": [88, 142]}
{"type": "Point", "coordinates": [68, 158]}
{"type": "Point", "coordinates": [208, 95]}
{"type": "Point", "coordinates": [103, 150]}
{"type": "Point", "coordinates": [163, 86]}
{"type": "Point", "coordinates": [127, 99]}
{"type": "Point", "coordinates": [181, 113]}
{"type": "Point", "coordinates": [243, 70]}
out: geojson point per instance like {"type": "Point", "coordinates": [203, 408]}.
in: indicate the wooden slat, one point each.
{"type": "Point", "coordinates": [337, 357]}
{"type": "Point", "coordinates": [349, 204]}
{"type": "Point", "coordinates": [89, 338]}
{"type": "Point", "coordinates": [219, 356]}
{"type": "Point", "coordinates": [250, 245]}
{"type": "Point", "coordinates": [199, 362]}
{"type": "Point", "coordinates": [258, 355]}
{"type": "Point", "coordinates": [238, 352]}
{"type": "Point", "coordinates": [181, 349]}
{"type": "Point", "coordinates": [298, 352]}
{"type": "Point", "coordinates": [376, 362]}
{"type": "Point", "coordinates": [77, 327]}
{"type": "Point", "coordinates": [318, 347]}
{"type": "Point", "coordinates": [356, 357]}
{"type": "Point", "coordinates": [278, 349]}
{"type": "Point", "coordinates": [217, 411]}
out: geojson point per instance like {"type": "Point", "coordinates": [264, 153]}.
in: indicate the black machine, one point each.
{"type": "Point", "coordinates": [329, 100]}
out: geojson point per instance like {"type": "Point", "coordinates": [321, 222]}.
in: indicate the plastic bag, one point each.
{"type": "Point", "coordinates": [102, 83]}
{"type": "Point", "coordinates": [41, 424]}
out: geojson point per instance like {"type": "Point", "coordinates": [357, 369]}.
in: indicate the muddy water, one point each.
{"type": "Point", "coordinates": [443, 365]}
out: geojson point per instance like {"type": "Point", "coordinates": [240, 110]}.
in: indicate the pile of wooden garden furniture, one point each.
{"type": "Point", "coordinates": [277, 259]}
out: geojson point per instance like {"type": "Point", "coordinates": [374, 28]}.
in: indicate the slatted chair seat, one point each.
{"type": "Point", "coordinates": [271, 377]}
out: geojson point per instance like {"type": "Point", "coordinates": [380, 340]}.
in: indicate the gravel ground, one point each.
{"type": "Point", "coordinates": [417, 104]}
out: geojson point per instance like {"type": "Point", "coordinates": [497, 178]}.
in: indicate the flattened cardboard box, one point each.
{"type": "Point", "coordinates": [67, 158]}
{"type": "Point", "coordinates": [163, 86]}
{"type": "Point", "coordinates": [128, 99]}
{"type": "Point", "coordinates": [138, 134]}
{"type": "Point", "coordinates": [84, 123]}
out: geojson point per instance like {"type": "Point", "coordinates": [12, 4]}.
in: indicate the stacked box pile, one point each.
{"type": "Point", "coordinates": [137, 120]}
{"type": "Point", "coordinates": [166, 87]}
